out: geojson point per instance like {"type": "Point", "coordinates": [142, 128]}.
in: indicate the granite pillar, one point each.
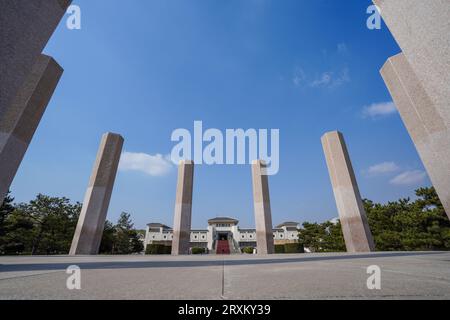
{"type": "Point", "coordinates": [183, 208]}
{"type": "Point", "coordinates": [89, 231]}
{"type": "Point", "coordinates": [355, 226]}
{"type": "Point", "coordinates": [263, 214]}
{"type": "Point", "coordinates": [422, 28]}
{"type": "Point", "coordinates": [423, 121]}
{"type": "Point", "coordinates": [25, 28]}
{"type": "Point", "coordinates": [20, 119]}
{"type": "Point", "coordinates": [419, 80]}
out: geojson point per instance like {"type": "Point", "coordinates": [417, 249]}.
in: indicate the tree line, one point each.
{"type": "Point", "coordinates": [402, 225]}
{"type": "Point", "coordinates": [45, 226]}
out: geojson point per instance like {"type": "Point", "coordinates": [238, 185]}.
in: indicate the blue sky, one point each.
{"type": "Point", "coordinates": [146, 68]}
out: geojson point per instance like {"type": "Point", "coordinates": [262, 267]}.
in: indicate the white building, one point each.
{"type": "Point", "coordinates": [222, 232]}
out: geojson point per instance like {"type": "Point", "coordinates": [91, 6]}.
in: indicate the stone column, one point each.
{"type": "Point", "coordinates": [422, 120]}
{"type": "Point", "coordinates": [183, 208]}
{"type": "Point", "coordinates": [89, 231]}
{"type": "Point", "coordinates": [19, 121]}
{"type": "Point", "coordinates": [422, 28]}
{"type": "Point", "coordinates": [261, 202]}
{"type": "Point", "coordinates": [355, 226]}
{"type": "Point", "coordinates": [25, 28]}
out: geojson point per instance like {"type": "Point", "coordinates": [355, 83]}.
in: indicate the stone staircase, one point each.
{"type": "Point", "coordinates": [223, 247]}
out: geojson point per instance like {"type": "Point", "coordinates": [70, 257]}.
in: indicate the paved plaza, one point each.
{"type": "Point", "coordinates": [404, 275]}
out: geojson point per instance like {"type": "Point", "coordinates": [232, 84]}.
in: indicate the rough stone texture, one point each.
{"type": "Point", "coordinates": [88, 233]}
{"type": "Point", "coordinates": [423, 121]}
{"type": "Point", "coordinates": [261, 203]}
{"type": "Point", "coordinates": [183, 208]}
{"type": "Point", "coordinates": [422, 28]}
{"type": "Point", "coordinates": [19, 121]}
{"type": "Point", "coordinates": [355, 227]}
{"type": "Point", "coordinates": [25, 28]}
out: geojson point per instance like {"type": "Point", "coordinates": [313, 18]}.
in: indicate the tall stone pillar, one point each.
{"type": "Point", "coordinates": [355, 226]}
{"type": "Point", "coordinates": [421, 29]}
{"type": "Point", "coordinates": [20, 119]}
{"type": "Point", "coordinates": [423, 121]}
{"type": "Point", "coordinates": [261, 203]}
{"type": "Point", "coordinates": [89, 231]}
{"type": "Point", "coordinates": [183, 208]}
{"type": "Point", "coordinates": [25, 28]}
{"type": "Point", "coordinates": [419, 81]}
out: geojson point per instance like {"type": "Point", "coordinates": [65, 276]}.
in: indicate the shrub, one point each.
{"type": "Point", "coordinates": [197, 250]}
{"type": "Point", "coordinates": [279, 248]}
{"type": "Point", "coordinates": [294, 248]}
{"type": "Point", "coordinates": [158, 249]}
{"type": "Point", "coordinates": [248, 250]}
{"type": "Point", "coordinates": [167, 250]}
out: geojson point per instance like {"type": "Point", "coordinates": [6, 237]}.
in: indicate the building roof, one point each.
{"type": "Point", "coordinates": [157, 225]}
{"type": "Point", "coordinates": [226, 220]}
{"type": "Point", "coordinates": [223, 220]}
{"type": "Point", "coordinates": [288, 224]}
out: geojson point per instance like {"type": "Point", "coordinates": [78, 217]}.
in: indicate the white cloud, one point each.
{"type": "Point", "coordinates": [408, 178]}
{"type": "Point", "coordinates": [324, 80]}
{"type": "Point", "coordinates": [342, 49]}
{"type": "Point", "coordinates": [343, 77]}
{"type": "Point", "coordinates": [381, 109]}
{"type": "Point", "coordinates": [299, 77]}
{"type": "Point", "coordinates": [327, 79]}
{"type": "Point", "coordinates": [153, 165]}
{"type": "Point", "coordinates": [335, 221]}
{"type": "Point", "coordinates": [383, 168]}
{"type": "Point", "coordinates": [331, 80]}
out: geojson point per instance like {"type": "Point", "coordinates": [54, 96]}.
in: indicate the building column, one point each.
{"type": "Point", "coordinates": [355, 226]}
{"type": "Point", "coordinates": [423, 121]}
{"type": "Point", "coordinates": [19, 121]}
{"type": "Point", "coordinates": [263, 214]}
{"type": "Point", "coordinates": [25, 28]}
{"type": "Point", "coordinates": [183, 208]}
{"type": "Point", "coordinates": [89, 231]}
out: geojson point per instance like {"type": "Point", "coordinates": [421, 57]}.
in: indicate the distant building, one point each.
{"type": "Point", "coordinates": [222, 230]}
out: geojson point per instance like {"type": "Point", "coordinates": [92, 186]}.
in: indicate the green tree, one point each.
{"type": "Point", "coordinates": [410, 225]}
{"type": "Point", "coordinates": [322, 237]}
{"type": "Point", "coordinates": [123, 233]}
{"type": "Point", "coordinates": [43, 226]}
{"type": "Point", "coordinates": [334, 242]}
{"type": "Point", "coordinates": [6, 209]}
{"type": "Point", "coordinates": [398, 225]}
{"type": "Point", "coordinates": [137, 244]}
{"type": "Point", "coordinates": [121, 238]}
{"type": "Point", "coordinates": [107, 243]}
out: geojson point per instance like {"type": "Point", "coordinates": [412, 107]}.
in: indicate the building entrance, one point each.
{"type": "Point", "coordinates": [222, 236]}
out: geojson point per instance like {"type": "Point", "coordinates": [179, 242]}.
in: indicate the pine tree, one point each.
{"type": "Point", "coordinates": [6, 209]}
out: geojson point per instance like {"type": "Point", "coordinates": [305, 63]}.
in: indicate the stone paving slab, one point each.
{"type": "Point", "coordinates": [420, 275]}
